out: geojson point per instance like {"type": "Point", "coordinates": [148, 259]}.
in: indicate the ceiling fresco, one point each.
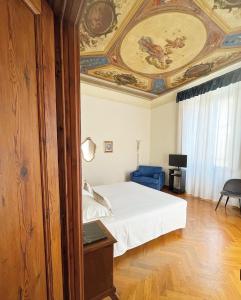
{"type": "Point", "coordinates": [154, 46]}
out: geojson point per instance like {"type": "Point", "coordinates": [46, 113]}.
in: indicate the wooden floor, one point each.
{"type": "Point", "coordinates": [202, 261]}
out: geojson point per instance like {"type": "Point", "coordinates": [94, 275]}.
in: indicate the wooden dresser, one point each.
{"type": "Point", "coordinates": [98, 267]}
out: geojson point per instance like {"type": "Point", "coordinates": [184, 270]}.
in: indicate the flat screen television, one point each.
{"type": "Point", "coordinates": [178, 160]}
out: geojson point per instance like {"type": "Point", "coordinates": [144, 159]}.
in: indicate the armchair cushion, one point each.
{"type": "Point", "coordinates": [144, 179]}
{"type": "Point", "coordinates": [156, 176]}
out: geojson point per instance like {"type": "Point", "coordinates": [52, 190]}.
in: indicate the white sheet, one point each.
{"type": "Point", "coordinates": [140, 214]}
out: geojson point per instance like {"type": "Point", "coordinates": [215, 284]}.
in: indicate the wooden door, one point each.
{"type": "Point", "coordinates": [30, 251]}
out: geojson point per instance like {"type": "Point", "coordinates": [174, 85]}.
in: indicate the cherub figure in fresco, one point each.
{"type": "Point", "coordinates": [159, 56]}
{"type": "Point", "coordinates": [146, 45]}
{"type": "Point", "coordinates": [179, 42]}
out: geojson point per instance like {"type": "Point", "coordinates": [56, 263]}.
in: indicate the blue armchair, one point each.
{"type": "Point", "coordinates": [153, 177]}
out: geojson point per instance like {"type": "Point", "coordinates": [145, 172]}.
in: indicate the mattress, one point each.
{"type": "Point", "coordinates": [140, 214]}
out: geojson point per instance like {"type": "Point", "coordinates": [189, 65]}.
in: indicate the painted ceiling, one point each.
{"type": "Point", "coordinates": [154, 46]}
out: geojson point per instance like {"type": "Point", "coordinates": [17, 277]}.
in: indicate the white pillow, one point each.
{"type": "Point", "coordinates": [88, 188]}
{"type": "Point", "coordinates": [92, 210]}
{"type": "Point", "coordinates": [86, 193]}
{"type": "Point", "coordinates": [102, 200]}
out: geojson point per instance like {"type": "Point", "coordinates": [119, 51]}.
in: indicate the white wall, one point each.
{"type": "Point", "coordinates": [164, 118]}
{"type": "Point", "coordinates": [104, 119]}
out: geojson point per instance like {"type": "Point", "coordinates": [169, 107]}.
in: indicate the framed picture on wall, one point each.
{"type": "Point", "coordinates": [108, 146]}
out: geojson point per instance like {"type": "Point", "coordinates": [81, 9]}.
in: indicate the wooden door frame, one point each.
{"type": "Point", "coordinates": [68, 122]}
{"type": "Point", "coordinates": [67, 55]}
{"type": "Point", "coordinates": [67, 82]}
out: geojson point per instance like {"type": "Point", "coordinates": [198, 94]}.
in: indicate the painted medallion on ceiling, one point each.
{"type": "Point", "coordinates": [157, 44]}
{"type": "Point", "coordinates": [122, 77]}
{"type": "Point", "coordinates": [204, 67]}
{"type": "Point", "coordinates": [101, 21]}
{"type": "Point", "coordinates": [154, 46]}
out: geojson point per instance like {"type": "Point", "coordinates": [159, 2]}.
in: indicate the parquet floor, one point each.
{"type": "Point", "coordinates": [202, 261]}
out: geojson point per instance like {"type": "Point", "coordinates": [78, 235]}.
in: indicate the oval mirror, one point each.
{"type": "Point", "coordinates": [88, 148]}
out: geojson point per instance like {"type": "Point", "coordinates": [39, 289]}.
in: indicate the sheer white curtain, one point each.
{"type": "Point", "coordinates": [210, 134]}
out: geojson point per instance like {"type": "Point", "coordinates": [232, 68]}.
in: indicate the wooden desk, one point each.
{"type": "Point", "coordinates": [98, 268]}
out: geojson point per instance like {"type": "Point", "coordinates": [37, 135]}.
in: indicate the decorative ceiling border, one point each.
{"type": "Point", "coordinates": [162, 99]}
{"type": "Point", "coordinates": [113, 86]}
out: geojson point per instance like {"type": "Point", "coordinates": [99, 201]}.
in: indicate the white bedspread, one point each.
{"type": "Point", "coordinates": [140, 214]}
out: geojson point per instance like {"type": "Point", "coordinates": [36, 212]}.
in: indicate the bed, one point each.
{"type": "Point", "coordinates": [140, 214]}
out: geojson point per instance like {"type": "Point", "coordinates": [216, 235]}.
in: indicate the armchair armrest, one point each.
{"type": "Point", "coordinates": [160, 177]}
{"type": "Point", "coordinates": [136, 174]}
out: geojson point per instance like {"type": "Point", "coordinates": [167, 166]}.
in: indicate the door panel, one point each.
{"type": "Point", "coordinates": [22, 248]}
{"type": "Point", "coordinates": [49, 151]}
